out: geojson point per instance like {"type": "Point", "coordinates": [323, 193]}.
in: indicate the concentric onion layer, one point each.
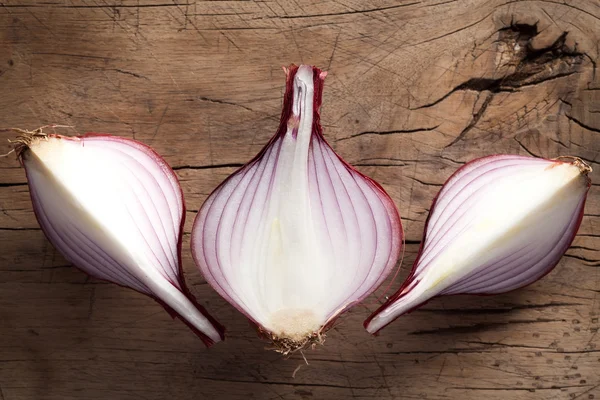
{"type": "Point", "coordinates": [297, 236]}
{"type": "Point", "coordinates": [114, 208]}
{"type": "Point", "coordinates": [498, 224]}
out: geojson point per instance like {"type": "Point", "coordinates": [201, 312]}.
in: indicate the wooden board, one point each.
{"type": "Point", "coordinates": [415, 89]}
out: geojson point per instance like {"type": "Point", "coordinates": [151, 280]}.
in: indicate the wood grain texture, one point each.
{"type": "Point", "coordinates": [415, 89]}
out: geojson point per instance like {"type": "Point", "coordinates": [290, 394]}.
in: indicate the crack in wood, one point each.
{"type": "Point", "coordinates": [224, 102]}
{"type": "Point", "coordinates": [499, 310]}
{"type": "Point", "coordinates": [335, 14]}
{"type": "Point", "coordinates": [110, 6]}
{"type": "Point", "coordinates": [587, 261]}
{"type": "Point", "coordinates": [214, 166]}
{"type": "Point", "coordinates": [583, 125]}
{"type": "Point", "coordinates": [474, 120]}
{"type": "Point", "coordinates": [9, 184]}
{"type": "Point", "coordinates": [19, 229]}
{"type": "Point", "coordinates": [130, 73]}
{"type": "Point", "coordinates": [391, 132]}
{"type": "Point", "coordinates": [583, 247]}
{"type": "Point", "coordinates": [553, 387]}
{"type": "Point", "coordinates": [534, 68]}
{"type": "Point", "coordinates": [454, 31]}
{"type": "Point", "coordinates": [480, 327]}
{"type": "Point", "coordinates": [494, 344]}
{"type": "Point", "coordinates": [452, 160]}
{"type": "Point", "coordinates": [524, 147]}
{"type": "Point", "coordinates": [279, 383]}
{"type": "Point", "coordinates": [72, 55]}
{"type": "Point", "coordinates": [422, 182]}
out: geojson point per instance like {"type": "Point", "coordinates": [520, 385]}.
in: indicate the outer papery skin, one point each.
{"type": "Point", "coordinates": [499, 223]}
{"type": "Point", "coordinates": [296, 236]}
{"type": "Point", "coordinates": [114, 208]}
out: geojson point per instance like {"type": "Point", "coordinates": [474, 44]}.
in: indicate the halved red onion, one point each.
{"type": "Point", "coordinates": [499, 223]}
{"type": "Point", "coordinates": [114, 208]}
{"type": "Point", "coordinates": [296, 236]}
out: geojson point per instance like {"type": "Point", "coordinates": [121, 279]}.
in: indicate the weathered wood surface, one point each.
{"type": "Point", "coordinates": [415, 88]}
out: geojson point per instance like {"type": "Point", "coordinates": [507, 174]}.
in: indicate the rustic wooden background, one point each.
{"type": "Point", "coordinates": [415, 88]}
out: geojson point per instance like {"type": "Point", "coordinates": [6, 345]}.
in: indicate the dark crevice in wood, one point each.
{"type": "Point", "coordinates": [392, 132]}
{"type": "Point", "coordinates": [558, 142]}
{"type": "Point", "coordinates": [584, 248]}
{"type": "Point", "coordinates": [451, 160]}
{"type": "Point", "coordinates": [370, 10]}
{"type": "Point", "coordinates": [587, 261]}
{"type": "Point", "coordinates": [387, 162]}
{"type": "Point", "coordinates": [439, 4]}
{"type": "Point", "coordinates": [480, 327]}
{"type": "Point", "coordinates": [581, 124]}
{"type": "Point", "coordinates": [136, 350]}
{"type": "Point", "coordinates": [489, 347]}
{"type": "Point", "coordinates": [445, 351]}
{"type": "Point", "coordinates": [111, 6]}
{"type": "Point", "coordinates": [224, 102]}
{"type": "Point", "coordinates": [474, 120]}
{"type": "Point", "coordinates": [532, 67]}
{"type": "Point", "coordinates": [22, 270]}
{"type": "Point", "coordinates": [589, 161]}
{"type": "Point", "coordinates": [462, 28]}
{"type": "Point", "coordinates": [19, 229]}
{"type": "Point", "coordinates": [553, 387]}
{"type": "Point", "coordinates": [54, 267]}
{"type": "Point", "coordinates": [283, 383]}
{"type": "Point", "coordinates": [130, 73]}
{"type": "Point", "coordinates": [423, 182]}
{"type": "Point", "coordinates": [219, 14]}
{"type": "Point", "coordinates": [586, 392]}
{"type": "Point", "coordinates": [537, 82]}
{"type": "Point", "coordinates": [500, 310]}
{"type": "Point", "coordinates": [584, 351]}
{"type": "Point", "coordinates": [568, 103]}
{"type": "Point", "coordinates": [558, 294]}
{"type": "Point", "coordinates": [72, 55]}
{"type": "Point", "coordinates": [494, 344]}
{"type": "Point", "coordinates": [215, 166]}
{"type": "Point", "coordinates": [376, 165]}
{"type": "Point", "coordinates": [525, 148]}
{"type": "Point", "coordinates": [13, 184]}
{"type": "Point", "coordinates": [311, 359]}
{"type": "Point", "coordinates": [250, 28]}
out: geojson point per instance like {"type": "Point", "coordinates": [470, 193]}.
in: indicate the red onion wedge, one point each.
{"type": "Point", "coordinates": [114, 208]}
{"type": "Point", "coordinates": [297, 236]}
{"type": "Point", "coordinates": [499, 223]}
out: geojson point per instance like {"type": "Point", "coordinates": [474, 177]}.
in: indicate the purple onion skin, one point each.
{"type": "Point", "coordinates": [181, 283]}
{"type": "Point", "coordinates": [411, 277]}
{"type": "Point", "coordinates": [317, 135]}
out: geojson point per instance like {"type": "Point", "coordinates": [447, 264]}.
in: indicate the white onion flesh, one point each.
{"type": "Point", "coordinates": [296, 236]}
{"type": "Point", "coordinates": [498, 224]}
{"type": "Point", "coordinates": [114, 208]}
